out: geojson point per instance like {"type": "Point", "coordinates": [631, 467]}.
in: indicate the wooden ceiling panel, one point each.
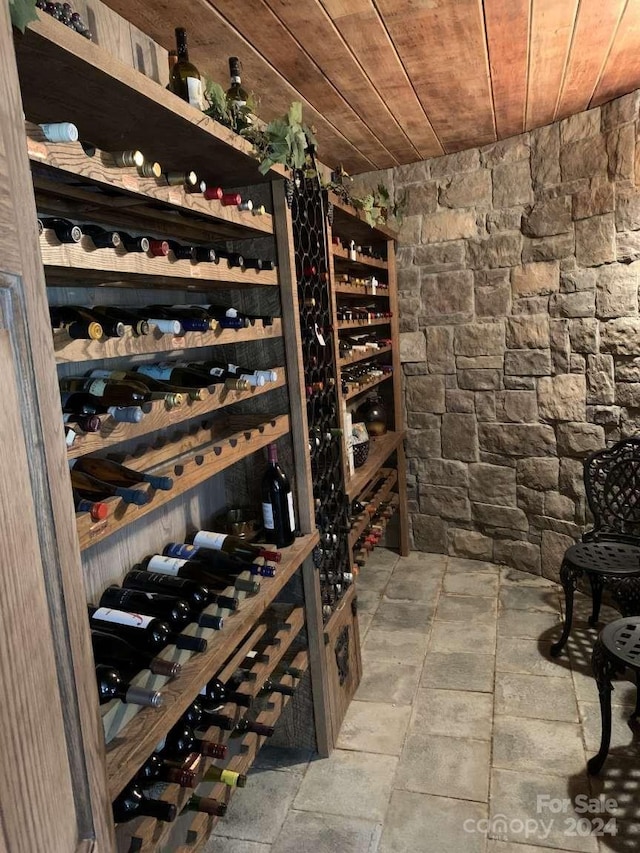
{"type": "Point", "coordinates": [395, 81]}
{"type": "Point", "coordinates": [507, 23]}
{"type": "Point", "coordinates": [552, 25]}
{"type": "Point", "coordinates": [595, 30]}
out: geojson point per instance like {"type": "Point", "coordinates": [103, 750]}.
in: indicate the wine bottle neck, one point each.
{"type": "Point", "coordinates": [181, 44]}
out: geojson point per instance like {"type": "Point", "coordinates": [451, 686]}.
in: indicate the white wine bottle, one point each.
{"type": "Point", "coordinates": [185, 78]}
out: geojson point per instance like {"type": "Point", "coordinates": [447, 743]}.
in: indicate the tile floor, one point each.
{"type": "Point", "coordinates": [463, 737]}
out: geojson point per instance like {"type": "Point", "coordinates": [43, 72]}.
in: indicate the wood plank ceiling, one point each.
{"type": "Point", "coordinates": [388, 82]}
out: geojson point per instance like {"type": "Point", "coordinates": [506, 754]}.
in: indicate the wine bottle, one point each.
{"type": "Point", "coordinates": [65, 231]}
{"type": "Point", "coordinates": [215, 694]}
{"type": "Point", "coordinates": [85, 329]}
{"type": "Point", "coordinates": [112, 686]}
{"type": "Point", "coordinates": [233, 259]}
{"type": "Point", "coordinates": [178, 179]}
{"type": "Point", "coordinates": [216, 560]}
{"type": "Point", "coordinates": [172, 396]}
{"type": "Point", "coordinates": [111, 392]}
{"type": "Point", "coordinates": [87, 422]}
{"type": "Point", "coordinates": [82, 403]}
{"type": "Point", "coordinates": [62, 131]}
{"type": "Point", "coordinates": [176, 612]}
{"type": "Point", "coordinates": [156, 770]}
{"type": "Point", "coordinates": [189, 321]}
{"type": "Point", "coordinates": [78, 314]}
{"type": "Point", "coordinates": [177, 374]}
{"type": "Point", "coordinates": [185, 78]}
{"type": "Point", "coordinates": [197, 572]}
{"type": "Point", "coordinates": [181, 740]}
{"type": "Point", "coordinates": [133, 803]}
{"type": "Point", "coordinates": [138, 325]}
{"type": "Point", "coordinates": [228, 317]}
{"type": "Point", "coordinates": [117, 652]}
{"type": "Point", "coordinates": [258, 264]}
{"type": "Point", "coordinates": [236, 95]}
{"type": "Point", "coordinates": [96, 509]}
{"type": "Point", "coordinates": [119, 475]}
{"type": "Point", "coordinates": [270, 686]}
{"type": "Point", "coordinates": [101, 237]}
{"type": "Point", "coordinates": [158, 248]}
{"type": "Point", "coordinates": [133, 244]}
{"type": "Point", "coordinates": [150, 170]}
{"type": "Point", "coordinates": [247, 373]}
{"type": "Point", "coordinates": [227, 777]}
{"type": "Point", "coordinates": [197, 596]}
{"type": "Point", "coordinates": [92, 489]}
{"type": "Point", "coordinates": [145, 632]}
{"type": "Point", "coordinates": [207, 805]}
{"type": "Point", "coordinates": [234, 546]}
{"type": "Point", "coordinates": [240, 727]}
{"type": "Point", "coordinates": [277, 502]}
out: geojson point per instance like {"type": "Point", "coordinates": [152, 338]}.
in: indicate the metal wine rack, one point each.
{"type": "Point", "coordinates": [332, 555]}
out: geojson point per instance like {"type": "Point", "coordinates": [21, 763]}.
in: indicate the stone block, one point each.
{"type": "Point", "coordinates": [479, 362]}
{"type": "Point", "coordinates": [479, 339]}
{"type": "Point", "coordinates": [578, 280]}
{"type": "Point", "coordinates": [459, 437]}
{"type": "Point", "coordinates": [408, 322]}
{"type": "Point", "coordinates": [424, 393]}
{"type": "Point", "coordinates": [408, 281]}
{"type": "Point", "coordinates": [517, 407]}
{"type": "Point", "coordinates": [584, 335]}
{"type": "Point", "coordinates": [448, 225]}
{"type": "Point", "coordinates": [492, 515]}
{"type": "Point", "coordinates": [628, 209]}
{"type": "Point", "coordinates": [429, 534]}
{"type": "Point", "coordinates": [520, 555]}
{"type": "Point", "coordinates": [422, 443]}
{"type": "Point", "coordinates": [620, 111]}
{"type": "Point", "coordinates": [535, 279]}
{"type": "Point", "coordinates": [528, 332]}
{"type": "Point", "coordinates": [605, 415]}
{"type": "Point", "coordinates": [596, 240]}
{"type": "Point", "coordinates": [580, 126]}
{"type": "Point", "coordinates": [526, 362]}
{"type": "Point", "coordinates": [503, 249]}
{"type": "Point", "coordinates": [439, 257]}
{"type": "Point", "coordinates": [443, 472]}
{"type": "Point", "coordinates": [485, 405]}
{"type": "Point", "coordinates": [627, 370]}
{"type": "Point", "coordinates": [531, 306]}
{"type": "Point", "coordinates": [596, 200]}
{"type": "Point", "coordinates": [559, 506]}
{"type": "Point", "coordinates": [450, 164]}
{"type": "Point", "coordinates": [538, 473]}
{"type": "Point", "coordinates": [530, 501]}
{"type": "Point", "coordinates": [512, 184]}
{"type": "Point", "coordinates": [572, 305]}
{"type": "Point", "coordinates": [584, 158]}
{"type": "Point", "coordinates": [469, 544]}
{"type": "Point", "coordinates": [449, 502]}
{"type": "Point", "coordinates": [519, 383]}
{"type": "Point", "coordinates": [620, 336]}
{"type": "Point", "coordinates": [548, 248]}
{"type": "Point", "coordinates": [480, 380]}
{"type": "Point", "coordinates": [617, 290]}
{"type": "Point", "coordinates": [628, 394]}
{"type": "Point", "coordinates": [507, 219]}
{"type": "Point", "coordinates": [552, 549]}
{"type": "Point", "coordinates": [577, 363]}
{"type": "Point", "coordinates": [620, 145]}
{"type": "Point", "coordinates": [562, 397]}
{"type": "Point", "coordinates": [600, 380]}
{"type": "Point", "coordinates": [422, 198]}
{"type": "Point", "coordinates": [447, 295]}
{"type": "Point", "coordinates": [579, 439]}
{"type": "Point", "coordinates": [423, 420]}
{"type": "Point", "coordinates": [440, 357]}
{"type": "Point", "coordinates": [627, 246]}
{"type": "Point", "coordinates": [571, 480]}
{"type": "Point", "coordinates": [505, 151]}
{"type": "Point", "coordinates": [414, 368]}
{"type": "Point", "coordinates": [518, 440]}
{"type": "Point", "coordinates": [493, 300]}
{"type": "Point", "coordinates": [404, 256]}
{"type": "Point", "coordinates": [413, 346]}
{"type": "Point", "coordinates": [493, 484]}
{"type": "Point", "coordinates": [560, 345]}
{"type": "Point", "coordinates": [549, 217]}
{"type": "Point", "coordinates": [545, 156]}
{"type": "Point", "coordinates": [467, 189]}
{"type": "Point", "coordinates": [461, 402]}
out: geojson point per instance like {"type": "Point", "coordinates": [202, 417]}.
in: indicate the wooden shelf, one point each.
{"type": "Point", "coordinates": [161, 418]}
{"type": "Point", "coordinates": [361, 356]}
{"type": "Point", "coordinates": [70, 159]}
{"type": "Point", "coordinates": [357, 391]}
{"type": "Point", "coordinates": [360, 261]}
{"type": "Point", "coordinates": [190, 462]}
{"type": "Point", "coordinates": [363, 521]}
{"type": "Point", "coordinates": [361, 324]}
{"type": "Point", "coordinates": [379, 450]}
{"type": "Point", "coordinates": [350, 222]}
{"type": "Point", "coordinates": [108, 265]}
{"type": "Point", "coordinates": [131, 747]}
{"type": "Point", "coordinates": [116, 107]}
{"type": "Point", "coordinates": [70, 351]}
{"type": "Point", "coordinates": [361, 290]}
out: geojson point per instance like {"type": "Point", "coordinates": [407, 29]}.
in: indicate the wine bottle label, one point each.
{"type": "Point", "coordinates": [194, 89]}
{"type": "Point", "coordinates": [217, 371]}
{"type": "Point", "coordinates": [292, 517]}
{"type": "Point", "coordinates": [97, 387]}
{"type": "Point", "coordinates": [267, 516]}
{"type": "Point", "coordinates": [119, 617]}
{"type": "Point", "coordinates": [184, 552]}
{"type": "Point", "coordinates": [165, 565]}
{"type": "Point", "coordinates": [228, 777]}
{"type": "Point", "coordinates": [155, 371]}
{"type": "Point", "coordinates": [208, 539]}
{"type": "Point", "coordinates": [100, 374]}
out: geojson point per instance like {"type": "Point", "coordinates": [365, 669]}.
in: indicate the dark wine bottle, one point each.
{"type": "Point", "coordinates": [176, 612]}
{"type": "Point", "coordinates": [234, 546]}
{"type": "Point", "coordinates": [86, 422]}
{"type": "Point", "coordinates": [133, 244]}
{"type": "Point", "coordinates": [270, 686]}
{"type": "Point", "coordinates": [111, 393]}
{"type": "Point", "coordinates": [240, 727]}
{"type": "Point", "coordinates": [86, 329]}
{"type": "Point", "coordinates": [112, 686]}
{"type": "Point", "coordinates": [123, 315]}
{"type": "Point", "coordinates": [83, 403]}
{"type": "Point", "coordinates": [217, 561]}
{"type": "Point", "coordinates": [185, 78]}
{"type": "Point", "coordinates": [277, 502]}
{"type": "Point", "coordinates": [145, 632]}
{"type": "Point", "coordinates": [64, 230]}
{"type": "Point", "coordinates": [197, 596]}
{"type": "Point", "coordinates": [119, 475]}
{"type": "Point", "coordinates": [181, 740]}
{"type": "Point", "coordinates": [156, 770]}
{"type": "Point", "coordinates": [207, 805]}
{"type": "Point", "coordinates": [189, 321]}
{"type": "Point", "coordinates": [173, 397]}
{"type": "Point", "coordinates": [114, 651]}
{"type": "Point", "coordinates": [176, 374]}
{"type": "Point", "coordinates": [102, 238]}
{"type": "Point", "coordinates": [96, 509]}
{"type": "Point", "coordinates": [78, 314]}
{"type": "Point", "coordinates": [92, 489]}
{"type": "Point", "coordinates": [233, 259]}
{"type": "Point", "coordinates": [197, 572]}
{"type": "Point", "coordinates": [133, 803]}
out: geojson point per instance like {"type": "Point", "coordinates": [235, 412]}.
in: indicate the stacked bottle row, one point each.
{"type": "Point", "coordinates": [354, 249]}
{"type": "Point", "coordinates": [331, 556]}
{"type": "Point", "coordinates": [374, 529]}
{"type": "Point", "coordinates": [371, 283]}
{"type": "Point", "coordinates": [359, 376]}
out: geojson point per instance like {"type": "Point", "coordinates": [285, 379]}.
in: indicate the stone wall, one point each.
{"type": "Point", "coordinates": [518, 275]}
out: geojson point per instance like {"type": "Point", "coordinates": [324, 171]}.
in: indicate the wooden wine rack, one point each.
{"type": "Point", "coordinates": [361, 356]}
{"type": "Point", "coordinates": [367, 386]}
{"type": "Point", "coordinates": [362, 261]}
{"type": "Point", "coordinates": [374, 500]}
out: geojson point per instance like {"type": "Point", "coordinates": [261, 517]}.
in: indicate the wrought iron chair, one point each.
{"type": "Point", "coordinates": [609, 554]}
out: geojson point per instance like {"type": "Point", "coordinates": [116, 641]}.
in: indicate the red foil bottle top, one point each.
{"type": "Point", "coordinates": [99, 511]}
{"type": "Point", "coordinates": [229, 199]}
{"type": "Point", "coordinates": [159, 248]}
{"type": "Point", "coordinates": [212, 193]}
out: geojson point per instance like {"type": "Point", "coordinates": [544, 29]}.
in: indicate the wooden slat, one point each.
{"type": "Point", "coordinates": [458, 102]}
{"type": "Point", "coordinates": [595, 30]}
{"type": "Point", "coordinates": [507, 24]}
{"type": "Point", "coordinates": [551, 30]}
{"type": "Point", "coordinates": [359, 356]}
{"type": "Point", "coordinates": [361, 26]}
{"type": "Point", "coordinates": [621, 71]}
{"type": "Point", "coordinates": [357, 391]}
{"type": "Point", "coordinates": [361, 260]}
{"type": "Point", "coordinates": [380, 449]}
{"type": "Point", "coordinates": [350, 222]}
{"type": "Point", "coordinates": [346, 325]}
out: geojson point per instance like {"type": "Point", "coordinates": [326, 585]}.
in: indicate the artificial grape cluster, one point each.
{"type": "Point", "coordinates": [64, 13]}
